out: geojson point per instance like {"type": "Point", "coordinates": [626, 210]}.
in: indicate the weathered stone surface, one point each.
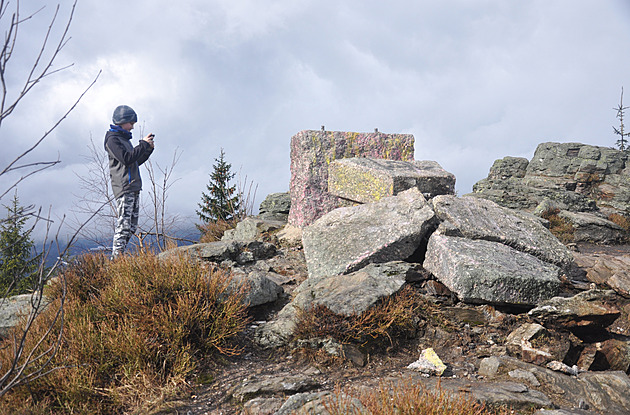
{"type": "Point", "coordinates": [307, 403]}
{"type": "Point", "coordinates": [476, 218]}
{"type": "Point", "coordinates": [313, 151]}
{"type": "Point", "coordinates": [272, 384]}
{"type": "Point", "coordinates": [577, 177]}
{"type": "Point", "coordinates": [532, 343]}
{"type": "Point", "coordinates": [607, 269]}
{"type": "Point", "coordinates": [480, 271]}
{"type": "Point", "coordinates": [524, 375]}
{"type": "Point", "coordinates": [588, 227]}
{"type": "Point", "coordinates": [260, 288]}
{"type": "Point", "coordinates": [611, 354]}
{"type": "Point", "coordinates": [275, 207]}
{"type": "Point", "coordinates": [251, 229]}
{"type": "Point", "coordinates": [599, 391]}
{"type": "Point", "coordinates": [348, 239]}
{"type": "Point", "coordinates": [589, 309]}
{"type": "Point", "coordinates": [367, 180]}
{"type": "Point", "coordinates": [224, 250]}
{"type": "Point", "coordinates": [347, 295]}
{"type": "Point", "coordinates": [515, 395]}
{"type": "Point", "coordinates": [507, 167]}
{"type": "Point", "coordinates": [12, 309]}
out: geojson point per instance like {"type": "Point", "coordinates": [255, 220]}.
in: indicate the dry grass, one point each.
{"type": "Point", "coordinates": [134, 330]}
{"type": "Point", "coordinates": [213, 231]}
{"type": "Point", "coordinates": [560, 227]}
{"type": "Point", "coordinates": [621, 220]}
{"type": "Point", "coordinates": [395, 317]}
{"type": "Point", "coordinates": [406, 398]}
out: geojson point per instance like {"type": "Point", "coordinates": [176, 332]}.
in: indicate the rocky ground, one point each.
{"type": "Point", "coordinates": [260, 381]}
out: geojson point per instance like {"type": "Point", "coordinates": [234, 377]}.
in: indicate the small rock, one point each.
{"type": "Point", "coordinates": [428, 363]}
{"type": "Point", "coordinates": [563, 368]}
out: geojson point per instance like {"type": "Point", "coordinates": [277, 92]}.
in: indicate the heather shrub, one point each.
{"type": "Point", "coordinates": [559, 227]}
{"type": "Point", "coordinates": [405, 398]}
{"type": "Point", "coordinates": [394, 317]}
{"type": "Point", "coordinates": [621, 220]}
{"type": "Point", "coordinates": [133, 330]}
{"type": "Point", "coordinates": [213, 231]}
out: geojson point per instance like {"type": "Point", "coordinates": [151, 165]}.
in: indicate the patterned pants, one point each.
{"type": "Point", "coordinates": [127, 206]}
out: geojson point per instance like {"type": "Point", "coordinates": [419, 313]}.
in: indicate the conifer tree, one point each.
{"type": "Point", "coordinates": [222, 201]}
{"type": "Point", "coordinates": [622, 142]}
{"type": "Point", "coordinates": [18, 266]}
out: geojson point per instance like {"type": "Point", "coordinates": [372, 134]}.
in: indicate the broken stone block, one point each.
{"type": "Point", "coordinates": [367, 180]}
{"type": "Point", "coordinates": [532, 343]}
{"type": "Point", "coordinates": [479, 271]}
{"type": "Point", "coordinates": [313, 151]}
{"type": "Point", "coordinates": [585, 310]}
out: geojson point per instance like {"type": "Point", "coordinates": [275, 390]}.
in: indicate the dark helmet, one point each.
{"type": "Point", "coordinates": [124, 114]}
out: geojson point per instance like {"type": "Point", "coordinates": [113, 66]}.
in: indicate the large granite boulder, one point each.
{"type": "Point", "coordinates": [347, 239]}
{"type": "Point", "coordinates": [578, 177]}
{"type": "Point", "coordinates": [312, 152]}
{"type": "Point", "coordinates": [480, 271]}
{"type": "Point", "coordinates": [481, 219]}
{"type": "Point", "coordinates": [367, 180]}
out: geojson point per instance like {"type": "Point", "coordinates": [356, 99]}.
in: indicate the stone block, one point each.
{"type": "Point", "coordinates": [313, 151]}
{"type": "Point", "coordinates": [368, 180]}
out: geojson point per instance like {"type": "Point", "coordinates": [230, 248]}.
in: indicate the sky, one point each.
{"type": "Point", "coordinates": [472, 80]}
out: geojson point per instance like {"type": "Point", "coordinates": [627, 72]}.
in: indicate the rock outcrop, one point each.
{"type": "Point", "coordinates": [578, 177]}
{"type": "Point", "coordinates": [585, 184]}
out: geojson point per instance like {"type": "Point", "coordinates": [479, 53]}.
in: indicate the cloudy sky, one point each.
{"type": "Point", "coordinates": [472, 80]}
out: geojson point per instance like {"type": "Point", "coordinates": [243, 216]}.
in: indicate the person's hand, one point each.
{"type": "Point", "coordinates": [149, 139]}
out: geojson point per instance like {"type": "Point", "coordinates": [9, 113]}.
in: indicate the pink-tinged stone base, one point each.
{"type": "Point", "coordinates": [311, 153]}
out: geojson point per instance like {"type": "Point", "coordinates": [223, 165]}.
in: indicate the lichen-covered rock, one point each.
{"type": "Point", "coordinates": [480, 271]}
{"type": "Point", "coordinates": [275, 207]}
{"type": "Point", "coordinates": [252, 229]}
{"type": "Point", "coordinates": [313, 151]}
{"type": "Point", "coordinates": [576, 177]}
{"type": "Point", "coordinates": [348, 239]}
{"type": "Point", "coordinates": [367, 180]}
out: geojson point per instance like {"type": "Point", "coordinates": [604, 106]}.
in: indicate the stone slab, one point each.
{"type": "Point", "coordinates": [367, 180]}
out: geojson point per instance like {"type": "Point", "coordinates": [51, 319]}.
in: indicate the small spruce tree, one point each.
{"type": "Point", "coordinates": [222, 201]}
{"type": "Point", "coordinates": [18, 265]}
{"type": "Point", "coordinates": [622, 142]}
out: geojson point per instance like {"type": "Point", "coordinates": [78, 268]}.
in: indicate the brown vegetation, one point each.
{"type": "Point", "coordinates": [133, 331]}
{"type": "Point", "coordinates": [406, 398]}
{"type": "Point", "coordinates": [560, 227]}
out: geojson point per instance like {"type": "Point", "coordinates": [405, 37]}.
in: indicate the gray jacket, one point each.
{"type": "Point", "coordinates": [125, 161]}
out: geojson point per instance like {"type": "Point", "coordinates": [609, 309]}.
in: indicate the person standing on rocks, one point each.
{"type": "Point", "coordinates": [124, 170]}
